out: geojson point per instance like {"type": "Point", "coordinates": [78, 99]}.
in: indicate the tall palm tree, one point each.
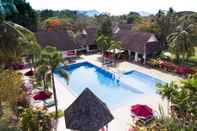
{"type": "Point", "coordinates": [114, 45]}
{"type": "Point", "coordinates": [15, 41]}
{"type": "Point", "coordinates": [41, 74]}
{"type": "Point", "coordinates": [51, 58]}
{"type": "Point", "coordinates": [165, 23]}
{"type": "Point", "coordinates": [32, 47]}
{"type": "Point", "coordinates": [180, 43]}
{"type": "Point", "coordinates": [103, 43]}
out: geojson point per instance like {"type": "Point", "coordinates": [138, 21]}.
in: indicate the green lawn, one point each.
{"type": "Point", "coordinates": [191, 62]}
{"type": "Point", "coordinates": [194, 58]}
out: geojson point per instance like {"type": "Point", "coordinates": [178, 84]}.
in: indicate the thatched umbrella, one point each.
{"type": "Point", "coordinates": [87, 113]}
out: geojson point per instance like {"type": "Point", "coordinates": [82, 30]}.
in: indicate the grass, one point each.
{"type": "Point", "coordinates": [194, 58]}
{"type": "Point", "coordinates": [191, 62]}
{"type": "Point", "coordinates": [60, 113]}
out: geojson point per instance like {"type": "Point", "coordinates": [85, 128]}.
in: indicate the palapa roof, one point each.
{"type": "Point", "coordinates": [125, 26]}
{"type": "Point", "coordinates": [89, 38]}
{"type": "Point", "coordinates": [61, 40]}
{"type": "Point", "coordinates": [134, 41]}
{"type": "Point", "coordinates": [138, 41]}
{"type": "Point", "coordinates": [116, 27]}
{"type": "Point", "coordinates": [87, 113]}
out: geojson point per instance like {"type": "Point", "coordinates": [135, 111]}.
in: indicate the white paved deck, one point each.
{"type": "Point", "coordinates": [121, 114]}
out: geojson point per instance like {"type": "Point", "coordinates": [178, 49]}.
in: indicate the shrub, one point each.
{"type": "Point", "coordinates": [153, 62]}
{"type": "Point", "coordinates": [167, 65]}
{"type": "Point", "coordinates": [35, 120]}
{"type": "Point", "coordinates": [182, 70]}
{"type": "Point", "coordinates": [5, 127]}
{"type": "Point", "coordinates": [183, 97]}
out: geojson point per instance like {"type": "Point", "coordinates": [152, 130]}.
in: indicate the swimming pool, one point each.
{"type": "Point", "coordinates": [142, 81]}
{"type": "Point", "coordinates": [111, 89]}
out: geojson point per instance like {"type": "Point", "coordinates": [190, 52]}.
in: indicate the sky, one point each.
{"type": "Point", "coordinates": [116, 7]}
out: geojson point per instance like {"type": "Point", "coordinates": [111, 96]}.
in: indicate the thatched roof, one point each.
{"type": "Point", "coordinates": [89, 38]}
{"type": "Point", "coordinates": [61, 40]}
{"type": "Point", "coordinates": [87, 113]}
{"type": "Point", "coordinates": [125, 26]}
{"type": "Point", "coordinates": [138, 41]}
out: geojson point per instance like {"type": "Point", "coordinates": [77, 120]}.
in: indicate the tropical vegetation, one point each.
{"type": "Point", "coordinates": [16, 42]}
{"type": "Point", "coordinates": [175, 30]}
{"type": "Point", "coordinates": [50, 59]}
{"type": "Point", "coordinates": [105, 39]}
{"type": "Point", "coordinates": [183, 102]}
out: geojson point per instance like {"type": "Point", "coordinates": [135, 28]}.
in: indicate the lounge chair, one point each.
{"type": "Point", "coordinates": [49, 103]}
{"type": "Point", "coordinates": [145, 121]}
{"type": "Point", "coordinates": [108, 63]}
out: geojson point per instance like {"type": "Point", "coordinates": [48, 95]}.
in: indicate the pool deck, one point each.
{"type": "Point", "coordinates": [122, 118]}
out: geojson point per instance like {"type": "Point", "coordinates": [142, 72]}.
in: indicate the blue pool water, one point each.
{"type": "Point", "coordinates": [142, 81]}
{"type": "Point", "coordinates": [109, 88]}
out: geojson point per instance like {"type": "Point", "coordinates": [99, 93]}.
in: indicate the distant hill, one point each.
{"type": "Point", "coordinates": [89, 13]}
{"type": "Point", "coordinates": [183, 13]}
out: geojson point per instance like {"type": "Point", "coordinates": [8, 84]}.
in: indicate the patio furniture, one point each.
{"type": "Point", "coordinates": [108, 63]}
{"type": "Point", "coordinates": [145, 121]}
{"type": "Point", "coordinates": [69, 54]}
{"type": "Point", "coordinates": [87, 113]}
{"type": "Point", "coordinates": [49, 102]}
{"type": "Point", "coordinates": [42, 95]}
{"type": "Point", "coordinates": [29, 73]}
{"type": "Point", "coordinates": [142, 117]}
{"type": "Point", "coordinates": [142, 111]}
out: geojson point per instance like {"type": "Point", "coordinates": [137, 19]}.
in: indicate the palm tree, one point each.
{"type": "Point", "coordinates": [32, 46]}
{"type": "Point", "coordinates": [180, 43]}
{"type": "Point", "coordinates": [103, 43]}
{"type": "Point", "coordinates": [41, 75]}
{"type": "Point", "coordinates": [165, 23]}
{"type": "Point", "coordinates": [51, 58]}
{"type": "Point", "coordinates": [166, 91]}
{"type": "Point", "coordinates": [15, 41]}
{"type": "Point", "coordinates": [114, 45]}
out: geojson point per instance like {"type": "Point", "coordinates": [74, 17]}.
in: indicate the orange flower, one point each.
{"type": "Point", "coordinates": [55, 22]}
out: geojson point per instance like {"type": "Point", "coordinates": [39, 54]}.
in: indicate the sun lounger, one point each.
{"type": "Point", "coordinates": [145, 121]}
{"type": "Point", "coordinates": [108, 63]}
{"type": "Point", "coordinates": [49, 102]}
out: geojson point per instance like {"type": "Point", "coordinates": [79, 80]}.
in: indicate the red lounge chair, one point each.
{"type": "Point", "coordinates": [42, 95]}
{"type": "Point", "coordinates": [142, 111]}
{"type": "Point", "coordinates": [71, 53]}
{"type": "Point", "coordinates": [102, 129]}
{"type": "Point", "coordinates": [29, 73]}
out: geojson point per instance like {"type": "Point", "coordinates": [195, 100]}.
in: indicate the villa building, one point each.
{"type": "Point", "coordinates": [87, 39]}
{"type": "Point", "coordinates": [61, 40]}
{"type": "Point", "coordinates": [138, 45]}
